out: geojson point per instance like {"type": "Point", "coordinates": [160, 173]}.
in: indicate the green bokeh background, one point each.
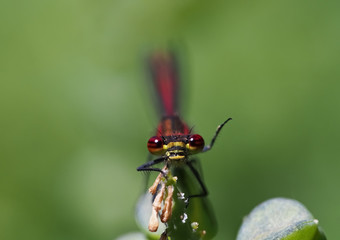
{"type": "Point", "coordinates": [76, 114]}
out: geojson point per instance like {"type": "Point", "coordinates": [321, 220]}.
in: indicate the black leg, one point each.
{"type": "Point", "coordinates": [147, 166]}
{"type": "Point", "coordinates": [208, 147]}
{"type": "Point", "coordinates": [198, 177]}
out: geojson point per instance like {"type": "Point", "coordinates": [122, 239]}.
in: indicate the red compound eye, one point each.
{"type": "Point", "coordinates": [155, 145]}
{"type": "Point", "coordinates": [195, 143]}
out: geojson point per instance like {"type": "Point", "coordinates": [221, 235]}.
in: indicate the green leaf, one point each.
{"type": "Point", "coordinates": [280, 219]}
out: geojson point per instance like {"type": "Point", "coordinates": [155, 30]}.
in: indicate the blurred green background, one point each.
{"type": "Point", "coordinates": [76, 114]}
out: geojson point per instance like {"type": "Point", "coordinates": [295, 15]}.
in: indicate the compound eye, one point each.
{"type": "Point", "coordinates": [155, 145]}
{"type": "Point", "coordinates": [195, 143]}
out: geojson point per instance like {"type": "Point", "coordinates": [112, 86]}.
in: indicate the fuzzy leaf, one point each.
{"type": "Point", "coordinates": [280, 219]}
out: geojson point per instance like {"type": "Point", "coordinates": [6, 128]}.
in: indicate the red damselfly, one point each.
{"type": "Point", "coordinates": [179, 181]}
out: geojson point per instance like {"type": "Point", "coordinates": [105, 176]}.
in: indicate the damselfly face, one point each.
{"type": "Point", "coordinates": [176, 147]}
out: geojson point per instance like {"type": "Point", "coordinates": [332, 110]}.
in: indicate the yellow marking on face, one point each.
{"type": "Point", "coordinates": [172, 153]}
{"type": "Point", "coordinates": [176, 157]}
{"type": "Point", "coordinates": [175, 144]}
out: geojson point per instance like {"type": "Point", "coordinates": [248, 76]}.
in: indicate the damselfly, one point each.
{"type": "Point", "coordinates": [175, 144]}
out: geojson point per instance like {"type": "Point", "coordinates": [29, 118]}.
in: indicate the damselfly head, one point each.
{"type": "Point", "coordinates": [176, 147]}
